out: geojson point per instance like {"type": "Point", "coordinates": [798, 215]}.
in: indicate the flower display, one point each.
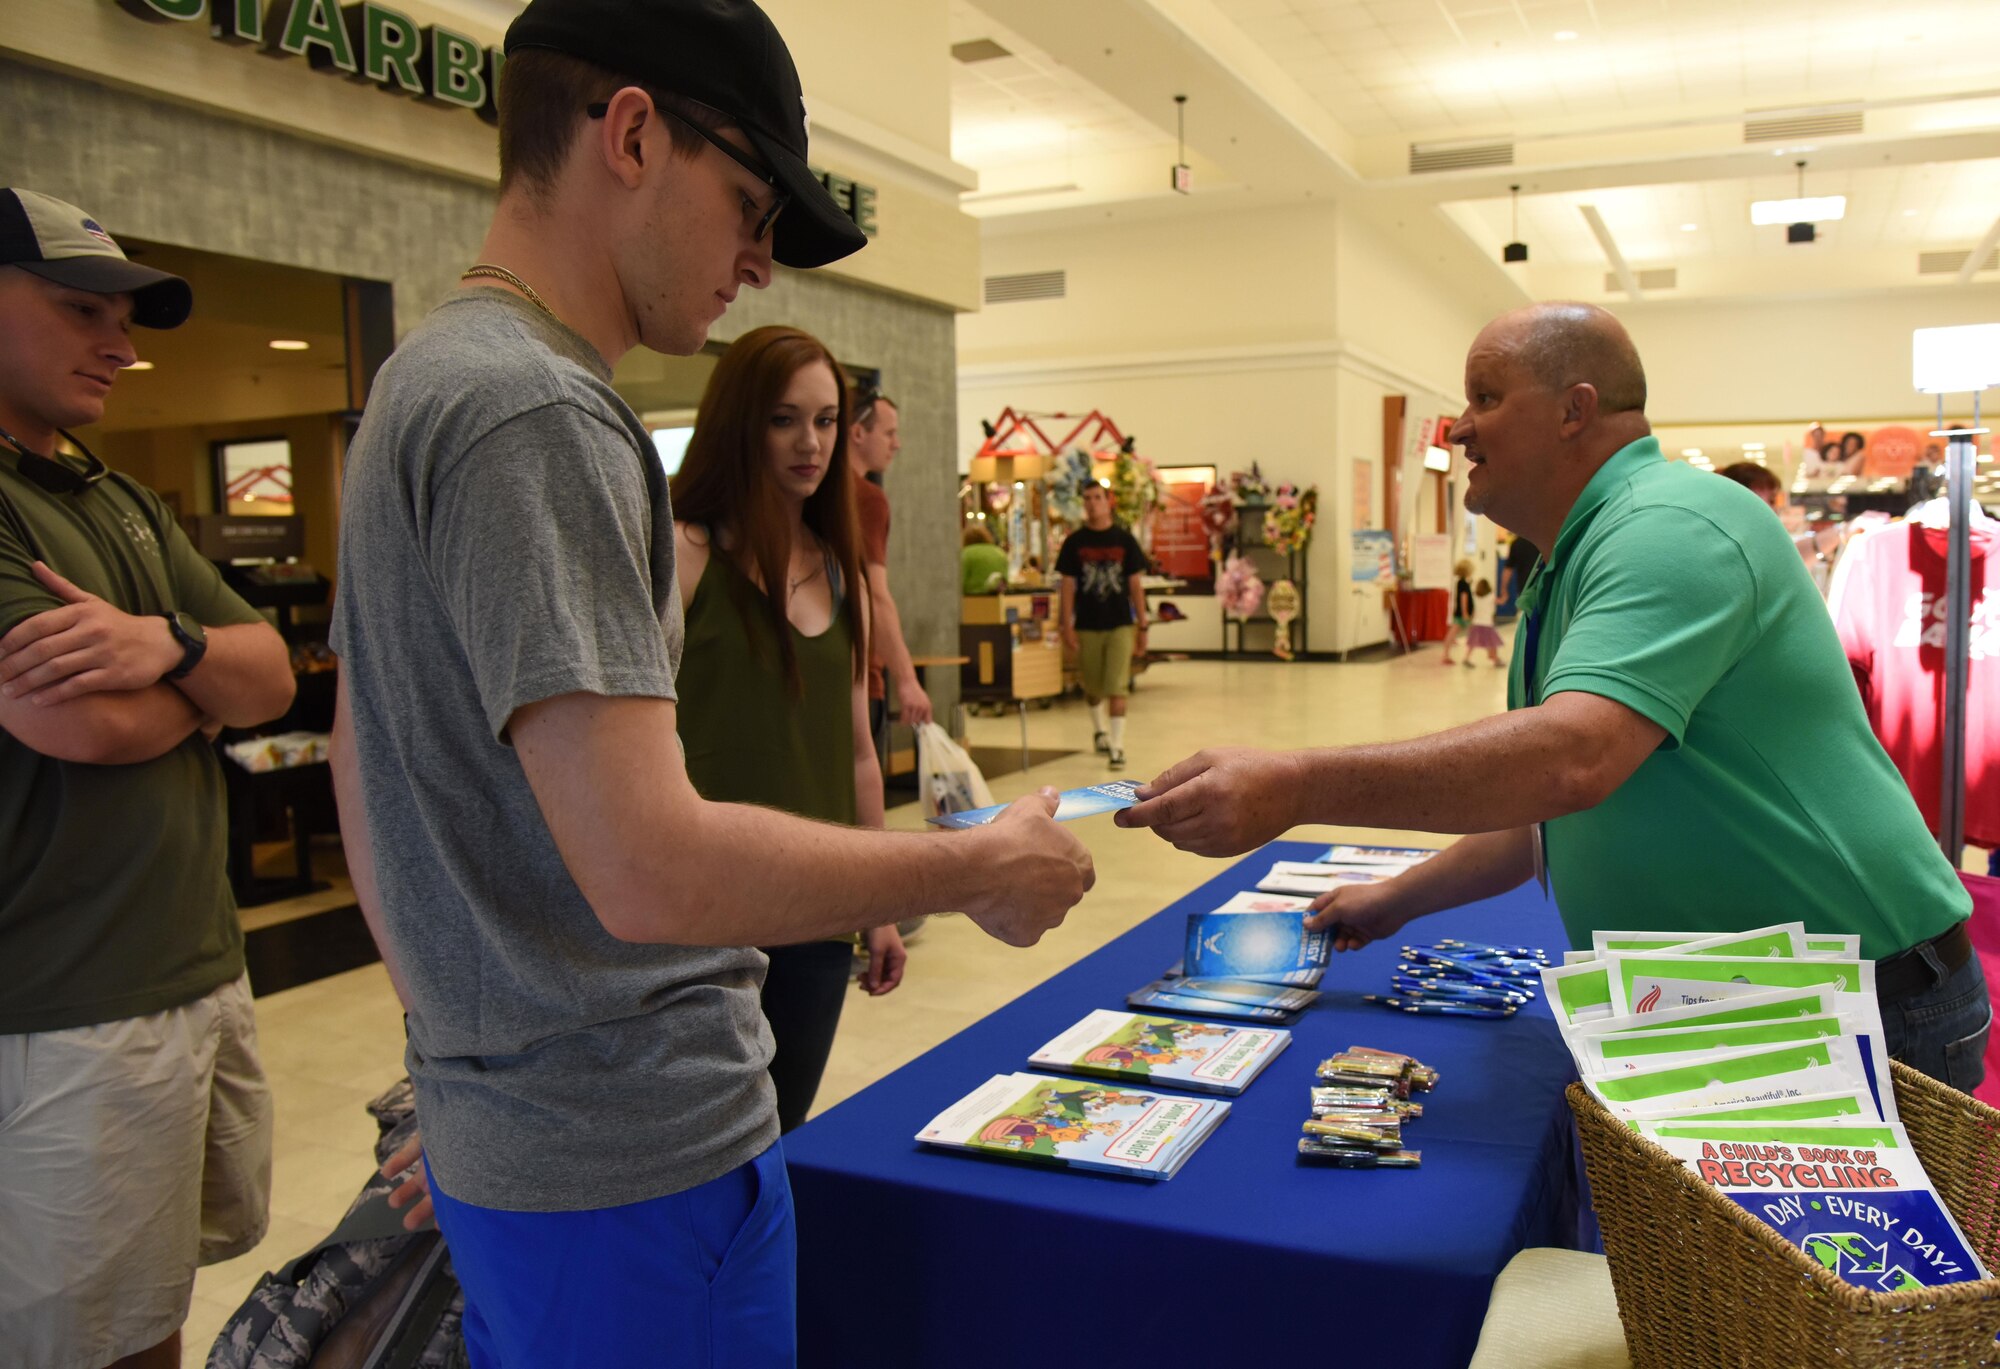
{"type": "Point", "coordinates": [1288, 523]}
{"type": "Point", "coordinates": [1239, 588]}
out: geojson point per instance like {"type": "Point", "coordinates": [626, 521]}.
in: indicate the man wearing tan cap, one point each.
{"type": "Point", "coordinates": [135, 1127]}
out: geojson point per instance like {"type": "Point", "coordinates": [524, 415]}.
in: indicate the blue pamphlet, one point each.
{"type": "Point", "coordinates": [1087, 802]}
{"type": "Point", "coordinates": [1250, 991]}
{"type": "Point", "coordinates": [1274, 948]}
{"type": "Point", "coordinates": [1165, 994]}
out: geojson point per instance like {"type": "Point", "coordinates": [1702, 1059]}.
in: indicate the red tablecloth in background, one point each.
{"type": "Point", "coordinates": [1426, 615]}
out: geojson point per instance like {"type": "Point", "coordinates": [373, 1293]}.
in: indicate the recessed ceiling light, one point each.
{"type": "Point", "coordinates": [1690, 451]}
{"type": "Point", "coordinates": [1909, 213]}
{"type": "Point", "coordinates": [140, 366]}
{"type": "Point", "coordinates": [1566, 36]}
{"type": "Point", "coordinates": [1689, 227]}
{"type": "Point", "coordinates": [1753, 446]}
{"type": "Point", "coordinates": [288, 344]}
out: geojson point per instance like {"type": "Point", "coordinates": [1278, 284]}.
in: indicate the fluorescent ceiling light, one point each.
{"type": "Point", "coordinates": [1566, 36]}
{"type": "Point", "coordinates": [1812, 209]}
{"type": "Point", "coordinates": [140, 366]}
{"type": "Point", "coordinates": [1437, 459]}
{"type": "Point", "coordinates": [1955, 360]}
{"type": "Point", "coordinates": [288, 344]}
{"type": "Point", "coordinates": [1753, 446]}
{"type": "Point", "coordinates": [1689, 227]}
{"type": "Point", "coordinates": [1690, 451]}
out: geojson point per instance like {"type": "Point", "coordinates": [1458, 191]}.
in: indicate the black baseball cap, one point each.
{"type": "Point", "coordinates": [59, 242]}
{"type": "Point", "coordinates": [725, 54]}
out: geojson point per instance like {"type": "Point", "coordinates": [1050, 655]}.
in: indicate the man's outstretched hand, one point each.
{"type": "Point", "coordinates": [1221, 802]}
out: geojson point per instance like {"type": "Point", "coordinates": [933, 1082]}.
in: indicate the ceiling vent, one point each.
{"type": "Point", "coordinates": [1951, 263]}
{"type": "Point", "coordinates": [1659, 278]}
{"type": "Point", "coordinates": [1458, 156]}
{"type": "Point", "coordinates": [978, 50]}
{"type": "Point", "coordinates": [1785, 128]}
{"type": "Point", "coordinates": [1027, 286]}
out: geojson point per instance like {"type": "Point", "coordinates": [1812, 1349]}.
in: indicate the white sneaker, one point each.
{"type": "Point", "coordinates": [1101, 743]}
{"type": "Point", "coordinates": [1117, 760]}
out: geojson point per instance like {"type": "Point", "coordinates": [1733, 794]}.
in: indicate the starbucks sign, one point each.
{"type": "Point", "coordinates": [368, 42]}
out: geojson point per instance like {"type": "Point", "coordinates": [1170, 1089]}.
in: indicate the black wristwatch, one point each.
{"type": "Point", "coordinates": [193, 639]}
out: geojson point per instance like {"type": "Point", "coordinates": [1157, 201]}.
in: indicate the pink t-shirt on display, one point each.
{"type": "Point", "coordinates": [1888, 603]}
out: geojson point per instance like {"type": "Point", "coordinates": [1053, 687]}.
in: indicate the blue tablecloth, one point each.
{"type": "Point", "coordinates": [934, 1260]}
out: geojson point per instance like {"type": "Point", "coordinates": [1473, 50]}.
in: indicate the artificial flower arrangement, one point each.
{"type": "Point", "coordinates": [1239, 588]}
{"type": "Point", "coordinates": [1136, 490]}
{"type": "Point", "coordinates": [1288, 522]}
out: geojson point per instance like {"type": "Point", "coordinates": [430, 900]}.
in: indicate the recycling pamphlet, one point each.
{"type": "Point", "coordinates": [1088, 802]}
{"type": "Point", "coordinates": [1207, 1056]}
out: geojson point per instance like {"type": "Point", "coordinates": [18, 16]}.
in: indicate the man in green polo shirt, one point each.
{"type": "Point", "coordinates": [1684, 746]}
{"type": "Point", "coordinates": [135, 1126]}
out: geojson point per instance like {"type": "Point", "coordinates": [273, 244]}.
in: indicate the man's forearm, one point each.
{"type": "Point", "coordinates": [886, 643]}
{"type": "Point", "coordinates": [245, 676]}
{"type": "Point", "coordinates": [1483, 865]}
{"type": "Point", "coordinates": [1511, 770]}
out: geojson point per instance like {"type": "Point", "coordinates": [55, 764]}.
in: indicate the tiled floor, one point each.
{"type": "Point", "coordinates": [331, 1045]}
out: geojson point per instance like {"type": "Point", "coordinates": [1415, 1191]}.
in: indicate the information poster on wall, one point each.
{"type": "Point", "coordinates": [1430, 560]}
{"type": "Point", "coordinates": [1363, 513]}
{"type": "Point", "coordinates": [1374, 557]}
{"type": "Point", "coordinates": [1180, 541]}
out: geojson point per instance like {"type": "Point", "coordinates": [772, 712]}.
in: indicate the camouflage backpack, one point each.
{"type": "Point", "coordinates": [370, 1296]}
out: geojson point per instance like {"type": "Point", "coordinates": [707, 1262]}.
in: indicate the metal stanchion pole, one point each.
{"type": "Point", "coordinates": [1959, 458]}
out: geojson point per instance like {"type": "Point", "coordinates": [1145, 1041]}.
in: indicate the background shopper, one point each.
{"type": "Point", "coordinates": [774, 683]}
{"type": "Point", "coordinates": [874, 438]}
{"type": "Point", "coordinates": [135, 1124]}
{"type": "Point", "coordinates": [1103, 615]}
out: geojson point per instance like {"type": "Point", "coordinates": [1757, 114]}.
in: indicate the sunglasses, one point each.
{"type": "Point", "coordinates": [735, 154]}
{"type": "Point", "coordinates": [865, 402]}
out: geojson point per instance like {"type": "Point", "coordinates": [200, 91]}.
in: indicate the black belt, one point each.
{"type": "Point", "coordinates": [1909, 973]}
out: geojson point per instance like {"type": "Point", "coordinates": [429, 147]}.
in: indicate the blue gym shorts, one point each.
{"type": "Point", "coordinates": [705, 1279]}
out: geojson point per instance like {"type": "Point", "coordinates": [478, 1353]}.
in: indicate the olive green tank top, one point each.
{"type": "Point", "coordinates": [747, 739]}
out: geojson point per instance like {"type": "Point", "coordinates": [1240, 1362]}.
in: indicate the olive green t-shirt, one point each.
{"type": "Point", "coordinates": [114, 897]}
{"type": "Point", "coordinates": [1680, 595]}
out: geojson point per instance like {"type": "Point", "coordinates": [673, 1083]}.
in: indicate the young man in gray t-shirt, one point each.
{"type": "Point", "coordinates": [570, 926]}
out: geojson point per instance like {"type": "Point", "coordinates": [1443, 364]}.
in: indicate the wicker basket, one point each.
{"type": "Point", "coordinates": [1702, 1282]}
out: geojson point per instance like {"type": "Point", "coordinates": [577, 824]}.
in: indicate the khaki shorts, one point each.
{"type": "Point", "coordinates": [1104, 661]}
{"type": "Point", "coordinates": [130, 1153]}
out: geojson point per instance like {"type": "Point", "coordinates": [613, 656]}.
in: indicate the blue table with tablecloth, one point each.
{"type": "Point", "coordinates": [911, 1258]}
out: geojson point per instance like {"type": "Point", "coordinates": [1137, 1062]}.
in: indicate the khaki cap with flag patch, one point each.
{"type": "Point", "coordinates": [59, 242]}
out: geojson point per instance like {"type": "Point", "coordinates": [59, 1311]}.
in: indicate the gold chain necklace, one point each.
{"type": "Point", "coordinates": [487, 268]}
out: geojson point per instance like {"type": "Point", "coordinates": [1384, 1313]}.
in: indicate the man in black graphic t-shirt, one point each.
{"type": "Point", "coordinates": [1103, 614]}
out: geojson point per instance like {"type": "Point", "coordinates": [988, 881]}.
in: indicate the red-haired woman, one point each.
{"type": "Point", "coordinates": [774, 685]}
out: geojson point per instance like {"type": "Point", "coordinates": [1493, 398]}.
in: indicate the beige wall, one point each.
{"type": "Point", "coordinates": [1226, 339]}
{"type": "Point", "coordinates": [1835, 359]}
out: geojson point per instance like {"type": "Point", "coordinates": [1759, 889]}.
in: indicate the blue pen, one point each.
{"type": "Point", "coordinates": [1455, 991]}
{"type": "Point", "coordinates": [1513, 952]}
{"type": "Point", "coordinates": [1437, 1009]}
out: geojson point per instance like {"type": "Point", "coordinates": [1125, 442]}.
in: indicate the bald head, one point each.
{"type": "Point", "coordinates": [1564, 343]}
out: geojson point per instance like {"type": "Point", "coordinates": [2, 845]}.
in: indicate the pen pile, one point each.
{"type": "Point", "coordinates": [1463, 979]}
{"type": "Point", "coordinates": [1359, 1105]}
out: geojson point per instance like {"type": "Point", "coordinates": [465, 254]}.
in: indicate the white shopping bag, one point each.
{"type": "Point", "coordinates": [946, 777]}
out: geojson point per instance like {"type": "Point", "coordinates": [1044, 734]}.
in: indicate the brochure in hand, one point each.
{"type": "Point", "coordinates": [1273, 948]}
{"type": "Point", "coordinates": [1164, 1050]}
{"type": "Point", "coordinates": [1077, 1125]}
{"type": "Point", "coordinates": [1400, 858]}
{"type": "Point", "coordinates": [1087, 802]}
{"type": "Point", "coordinates": [1853, 1196]}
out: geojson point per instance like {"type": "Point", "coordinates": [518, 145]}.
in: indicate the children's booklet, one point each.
{"type": "Point", "coordinates": [1164, 995]}
{"type": "Point", "coordinates": [1853, 1196]}
{"type": "Point", "coordinates": [1087, 802]}
{"type": "Point", "coordinates": [1786, 940]}
{"type": "Point", "coordinates": [1281, 882]}
{"type": "Point", "coordinates": [1765, 1005]}
{"type": "Point", "coordinates": [1250, 901]}
{"type": "Point", "coordinates": [1743, 1075]}
{"type": "Point", "coordinates": [1621, 1051]}
{"type": "Point", "coordinates": [1077, 1125]}
{"type": "Point", "coordinates": [1166, 1051]}
{"type": "Point", "coordinates": [1400, 857]}
{"type": "Point", "coordinates": [1273, 948]}
{"type": "Point", "coordinates": [1843, 1105]}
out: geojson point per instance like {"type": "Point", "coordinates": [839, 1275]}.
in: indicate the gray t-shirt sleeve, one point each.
{"type": "Point", "coordinates": [541, 548]}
